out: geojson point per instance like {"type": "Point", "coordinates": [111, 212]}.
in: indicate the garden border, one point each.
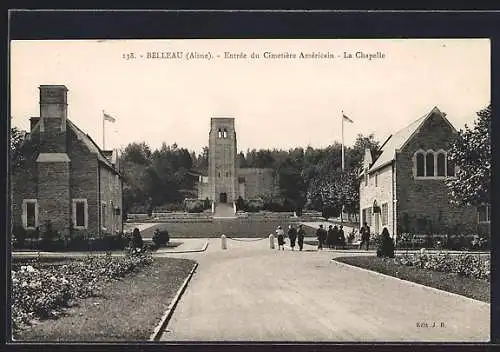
{"type": "Point", "coordinates": [412, 283]}
{"type": "Point", "coordinates": [160, 328]}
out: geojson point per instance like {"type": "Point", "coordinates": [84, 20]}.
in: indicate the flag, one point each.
{"type": "Point", "coordinates": [109, 118]}
{"type": "Point", "coordinates": [347, 119]}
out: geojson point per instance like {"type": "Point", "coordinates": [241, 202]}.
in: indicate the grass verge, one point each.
{"type": "Point", "coordinates": [128, 310]}
{"type": "Point", "coordinates": [450, 282]}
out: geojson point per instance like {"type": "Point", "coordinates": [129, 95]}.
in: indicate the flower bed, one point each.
{"type": "Point", "coordinates": [41, 292]}
{"type": "Point", "coordinates": [467, 265]}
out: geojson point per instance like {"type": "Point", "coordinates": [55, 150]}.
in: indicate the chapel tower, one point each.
{"type": "Point", "coordinates": [222, 166]}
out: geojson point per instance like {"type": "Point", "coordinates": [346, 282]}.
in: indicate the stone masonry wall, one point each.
{"type": "Point", "coordinates": [84, 180]}
{"type": "Point", "coordinates": [54, 195]}
{"type": "Point", "coordinates": [427, 197]}
{"type": "Point", "coordinates": [382, 193]}
{"type": "Point", "coordinates": [111, 196]}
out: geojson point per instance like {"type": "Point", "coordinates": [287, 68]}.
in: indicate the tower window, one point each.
{"type": "Point", "coordinates": [219, 133]}
{"type": "Point", "coordinates": [225, 133]}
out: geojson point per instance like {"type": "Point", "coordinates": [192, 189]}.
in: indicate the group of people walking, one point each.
{"type": "Point", "coordinates": [333, 238]}
{"type": "Point", "coordinates": [293, 234]}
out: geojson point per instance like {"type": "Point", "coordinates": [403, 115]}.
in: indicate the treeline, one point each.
{"type": "Point", "coordinates": [308, 178]}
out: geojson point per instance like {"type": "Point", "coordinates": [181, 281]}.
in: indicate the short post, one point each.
{"type": "Point", "coordinates": [213, 207]}
{"type": "Point", "coordinates": [271, 241]}
{"type": "Point", "coordinates": [223, 242]}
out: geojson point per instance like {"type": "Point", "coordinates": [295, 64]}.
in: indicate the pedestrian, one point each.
{"type": "Point", "coordinates": [281, 238]}
{"type": "Point", "coordinates": [321, 235]}
{"type": "Point", "coordinates": [336, 241]}
{"type": "Point", "coordinates": [136, 242]}
{"type": "Point", "coordinates": [300, 237]}
{"type": "Point", "coordinates": [330, 237]}
{"type": "Point", "coordinates": [365, 236]}
{"type": "Point", "coordinates": [342, 236]}
{"type": "Point", "coordinates": [292, 235]}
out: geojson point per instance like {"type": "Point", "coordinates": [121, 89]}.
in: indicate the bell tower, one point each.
{"type": "Point", "coordinates": [222, 170]}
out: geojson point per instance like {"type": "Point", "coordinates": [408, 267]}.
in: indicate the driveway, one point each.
{"type": "Point", "coordinates": [252, 293]}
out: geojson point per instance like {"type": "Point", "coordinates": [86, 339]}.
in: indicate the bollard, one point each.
{"type": "Point", "coordinates": [271, 241]}
{"type": "Point", "coordinates": [223, 242]}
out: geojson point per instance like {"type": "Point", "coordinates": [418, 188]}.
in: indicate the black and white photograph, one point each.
{"type": "Point", "coordinates": [250, 190]}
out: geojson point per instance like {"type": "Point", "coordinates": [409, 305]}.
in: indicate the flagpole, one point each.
{"type": "Point", "coordinates": [342, 118]}
{"type": "Point", "coordinates": [103, 131]}
{"type": "Point", "coordinates": [342, 205]}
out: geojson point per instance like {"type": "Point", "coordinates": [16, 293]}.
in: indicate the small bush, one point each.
{"type": "Point", "coordinates": [161, 238]}
{"type": "Point", "coordinates": [19, 235]}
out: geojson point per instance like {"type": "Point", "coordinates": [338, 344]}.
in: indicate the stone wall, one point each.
{"type": "Point", "coordinates": [257, 182]}
{"type": "Point", "coordinates": [427, 197]}
{"type": "Point", "coordinates": [379, 189]}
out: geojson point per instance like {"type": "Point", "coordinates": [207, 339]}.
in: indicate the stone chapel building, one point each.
{"type": "Point", "coordinates": [226, 181]}
{"type": "Point", "coordinates": [404, 188]}
{"type": "Point", "coordinates": [66, 179]}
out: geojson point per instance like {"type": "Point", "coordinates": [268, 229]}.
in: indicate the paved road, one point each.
{"type": "Point", "coordinates": [249, 292]}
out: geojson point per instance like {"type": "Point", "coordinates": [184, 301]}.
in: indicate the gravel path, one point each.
{"type": "Point", "coordinates": [250, 292]}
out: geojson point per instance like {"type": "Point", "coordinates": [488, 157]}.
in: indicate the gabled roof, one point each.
{"type": "Point", "coordinates": [91, 145]}
{"type": "Point", "coordinates": [399, 139]}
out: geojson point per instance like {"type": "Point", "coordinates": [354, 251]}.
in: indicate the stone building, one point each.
{"type": "Point", "coordinates": [225, 181]}
{"type": "Point", "coordinates": [404, 188]}
{"type": "Point", "coordinates": [65, 179]}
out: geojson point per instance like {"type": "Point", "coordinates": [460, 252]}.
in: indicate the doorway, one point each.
{"type": "Point", "coordinates": [223, 198]}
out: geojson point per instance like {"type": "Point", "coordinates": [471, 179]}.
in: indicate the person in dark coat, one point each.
{"type": "Point", "coordinates": [365, 236]}
{"type": "Point", "coordinates": [292, 235]}
{"type": "Point", "coordinates": [300, 237]}
{"type": "Point", "coordinates": [341, 237]}
{"type": "Point", "coordinates": [336, 241]}
{"type": "Point", "coordinates": [321, 235]}
{"type": "Point", "coordinates": [137, 242]}
{"type": "Point", "coordinates": [330, 237]}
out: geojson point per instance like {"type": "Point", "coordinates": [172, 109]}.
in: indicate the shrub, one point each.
{"type": "Point", "coordinates": [19, 234]}
{"type": "Point", "coordinates": [161, 238]}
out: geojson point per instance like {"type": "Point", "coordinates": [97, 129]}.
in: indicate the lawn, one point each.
{"type": "Point", "coordinates": [128, 310]}
{"type": "Point", "coordinates": [231, 228]}
{"type": "Point", "coordinates": [451, 282]}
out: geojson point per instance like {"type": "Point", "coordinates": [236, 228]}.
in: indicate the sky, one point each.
{"type": "Point", "coordinates": [277, 102]}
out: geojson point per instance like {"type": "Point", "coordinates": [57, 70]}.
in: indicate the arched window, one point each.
{"type": "Point", "coordinates": [429, 164]}
{"type": "Point", "coordinates": [450, 168]}
{"type": "Point", "coordinates": [218, 175]}
{"type": "Point", "coordinates": [219, 133]}
{"type": "Point", "coordinates": [441, 161]}
{"type": "Point", "coordinates": [227, 174]}
{"type": "Point", "coordinates": [225, 133]}
{"type": "Point", "coordinates": [420, 164]}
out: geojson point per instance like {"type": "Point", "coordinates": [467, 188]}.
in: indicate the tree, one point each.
{"type": "Point", "coordinates": [16, 147]}
{"type": "Point", "coordinates": [355, 155]}
{"type": "Point", "coordinates": [471, 152]}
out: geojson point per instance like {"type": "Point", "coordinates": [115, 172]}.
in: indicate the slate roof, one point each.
{"type": "Point", "coordinates": [91, 145]}
{"type": "Point", "coordinates": [398, 140]}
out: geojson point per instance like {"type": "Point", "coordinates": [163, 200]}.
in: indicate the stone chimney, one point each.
{"type": "Point", "coordinates": [367, 160]}
{"type": "Point", "coordinates": [53, 171]}
{"type": "Point", "coordinates": [53, 115]}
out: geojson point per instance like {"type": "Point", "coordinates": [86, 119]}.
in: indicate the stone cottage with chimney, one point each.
{"type": "Point", "coordinates": [404, 188]}
{"type": "Point", "coordinates": [66, 179]}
